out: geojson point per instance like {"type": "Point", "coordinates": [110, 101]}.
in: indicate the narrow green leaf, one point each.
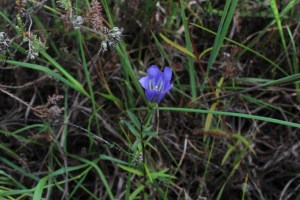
{"type": "Point", "coordinates": [65, 73]}
{"type": "Point", "coordinates": [209, 117]}
{"type": "Point", "coordinates": [280, 29]}
{"type": "Point", "coordinates": [134, 119]}
{"type": "Point", "coordinates": [8, 151]}
{"type": "Point", "coordinates": [177, 46]}
{"type": "Point", "coordinates": [227, 154]}
{"type": "Point", "coordinates": [132, 170]}
{"type": "Point", "coordinates": [162, 174]}
{"type": "Point", "coordinates": [100, 173]}
{"type": "Point", "coordinates": [148, 172]}
{"type": "Point", "coordinates": [112, 98]}
{"type": "Point", "coordinates": [135, 145]}
{"type": "Point", "coordinates": [112, 159]}
{"type": "Point", "coordinates": [246, 48]}
{"type": "Point", "coordinates": [38, 191]}
{"type": "Point", "coordinates": [19, 169]}
{"type": "Point", "coordinates": [226, 19]}
{"type": "Point", "coordinates": [50, 72]}
{"type": "Point", "coordinates": [282, 81]}
{"type": "Point", "coordinates": [290, 5]}
{"type": "Point", "coordinates": [245, 186]}
{"type": "Point", "coordinates": [127, 67]}
{"type": "Point", "coordinates": [17, 183]}
{"type": "Point", "coordinates": [8, 20]}
{"type": "Point", "coordinates": [189, 47]}
{"type": "Point", "coordinates": [131, 128]}
{"type": "Point", "coordinates": [136, 192]}
{"type": "Point", "coordinates": [242, 115]}
{"type": "Point", "coordinates": [242, 139]}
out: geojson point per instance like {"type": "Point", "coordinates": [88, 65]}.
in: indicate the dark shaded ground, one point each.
{"type": "Point", "coordinates": [271, 173]}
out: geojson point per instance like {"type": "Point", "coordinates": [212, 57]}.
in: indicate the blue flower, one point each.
{"type": "Point", "coordinates": [157, 83]}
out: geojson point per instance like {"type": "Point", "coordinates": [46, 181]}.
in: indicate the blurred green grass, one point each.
{"type": "Point", "coordinates": [218, 134]}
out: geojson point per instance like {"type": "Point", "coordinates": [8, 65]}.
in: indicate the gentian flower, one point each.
{"type": "Point", "coordinates": [157, 83]}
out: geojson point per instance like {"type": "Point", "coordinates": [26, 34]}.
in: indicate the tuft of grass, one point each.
{"type": "Point", "coordinates": [213, 136]}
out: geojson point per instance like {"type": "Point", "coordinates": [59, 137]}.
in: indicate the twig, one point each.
{"type": "Point", "coordinates": [17, 98]}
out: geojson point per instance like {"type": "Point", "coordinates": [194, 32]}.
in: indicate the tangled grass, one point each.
{"type": "Point", "coordinates": [75, 122]}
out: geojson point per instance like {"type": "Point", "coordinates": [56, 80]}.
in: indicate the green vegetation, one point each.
{"type": "Point", "coordinates": [75, 122]}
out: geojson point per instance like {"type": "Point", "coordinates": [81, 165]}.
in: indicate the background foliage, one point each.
{"type": "Point", "coordinates": [75, 123]}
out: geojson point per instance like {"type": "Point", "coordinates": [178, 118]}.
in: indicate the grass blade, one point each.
{"type": "Point", "coordinates": [279, 25]}
{"type": "Point", "coordinates": [190, 49]}
{"type": "Point", "coordinates": [102, 177]}
{"type": "Point", "coordinates": [18, 169]}
{"type": "Point", "coordinates": [127, 67]}
{"type": "Point", "coordinates": [132, 170]}
{"type": "Point", "coordinates": [177, 46]}
{"type": "Point", "coordinates": [246, 48]}
{"type": "Point", "coordinates": [136, 192]}
{"type": "Point", "coordinates": [232, 114]}
{"type": "Point", "coordinates": [77, 86]}
{"type": "Point", "coordinates": [38, 191]}
{"type": "Point", "coordinates": [65, 73]}
{"type": "Point", "coordinates": [226, 19]}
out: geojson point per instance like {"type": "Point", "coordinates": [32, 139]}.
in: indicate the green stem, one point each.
{"type": "Point", "coordinates": [145, 119]}
{"type": "Point", "coordinates": [144, 158]}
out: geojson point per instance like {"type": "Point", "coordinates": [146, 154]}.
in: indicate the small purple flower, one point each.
{"type": "Point", "coordinates": [157, 83]}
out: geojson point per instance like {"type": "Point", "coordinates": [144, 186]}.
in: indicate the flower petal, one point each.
{"type": "Point", "coordinates": [167, 74]}
{"type": "Point", "coordinates": [144, 81]}
{"type": "Point", "coordinates": [154, 72]}
{"type": "Point", "coordinates": [157, 83]}
{"type": "Point", "coordinates": [167, 87]}
{"type": "Point", "coordinates": [161, 96]}
{"type": "Point", "coordinates": [153, 96]}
